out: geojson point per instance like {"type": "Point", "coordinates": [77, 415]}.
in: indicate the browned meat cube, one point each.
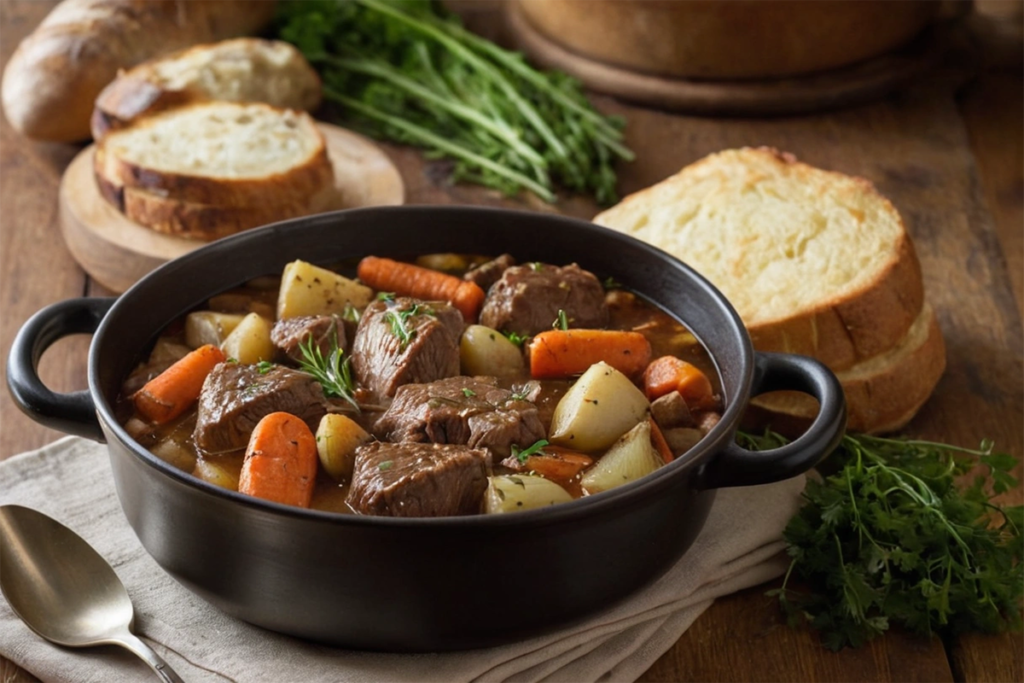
{"type": "Point", "coordinates": [235, 397]}
{"type": "Point", "coordinates": [406, 341]}
{"type": "Point", "coordinates": [527, 298]}
{"type": "Point", "coordinates": [461, 410]}
{"type": "Point", "coordinates": [290, 334]}
{"type": "Point", "coordinates": [418, 480]}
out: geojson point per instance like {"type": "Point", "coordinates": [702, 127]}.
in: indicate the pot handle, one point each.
{"type": "Point", "coordinates": [73, 413]}
{"type": "Point", "coordinates": [736, 466]}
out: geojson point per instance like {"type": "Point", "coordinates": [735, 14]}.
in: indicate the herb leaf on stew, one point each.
{"type": "Point", "coordinates": [332, 372]}
{"type": "Point", "coordinates": [522, 455]}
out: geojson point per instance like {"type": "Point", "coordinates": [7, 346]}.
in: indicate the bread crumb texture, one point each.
{"type": "Point", "coordinates": [773, 234]}
{"type": "Point", "coordinates": [220, 140]}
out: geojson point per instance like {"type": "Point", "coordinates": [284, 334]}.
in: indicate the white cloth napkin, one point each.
{"type": "Point", "coordinates": [70, 480]}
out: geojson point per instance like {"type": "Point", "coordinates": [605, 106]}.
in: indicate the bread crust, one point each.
{"type": "Point", "coordinates": [284, 79]}
{"type": "Point", "coordinates": [51, 81]}
{"type": "Point", "coordinates": [840, 330]}
{"type": "Point", "coordinates": [296, 186]}
{"type": "Point", "coordinates": [204, 222]}
{"type": "Point", "coordinates": [882, 393]}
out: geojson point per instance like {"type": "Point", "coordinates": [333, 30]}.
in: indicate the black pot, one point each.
{"type": "Point", "coordinates": [417, 584]}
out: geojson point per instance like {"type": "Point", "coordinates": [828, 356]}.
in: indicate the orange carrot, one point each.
{"type": "Point", "coordinates": [174, 390]}
{"type": "Point", "coordinates": [406, 279]}
{"type": "Point", "coordinates": [557, 464]}
{"type": "Point", "coordinates": [280, 461]}
{"type": "Point", "coordinates": [668, 373]}
{"type": "Point", "coordinates": [564, 353]}
{"type": "Point", "coordinates": [660, 444]}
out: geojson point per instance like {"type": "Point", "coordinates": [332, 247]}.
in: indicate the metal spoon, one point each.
{"type": "Point", "coordinates": [63, 589]}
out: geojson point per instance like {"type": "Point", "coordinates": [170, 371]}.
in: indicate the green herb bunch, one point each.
{"type": "Point", "coordinates": [407, 71]}
{"type": "Point", "coordinates": [890, 538]}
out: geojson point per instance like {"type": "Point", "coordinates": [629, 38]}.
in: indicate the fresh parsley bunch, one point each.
{"type": "Point", "coordinates": [406, 71]}
{"type": "Point", "coordinates": [890, 538]}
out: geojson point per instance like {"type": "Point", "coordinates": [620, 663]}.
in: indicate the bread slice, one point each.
{"type": "Point", "coordinates": [882, 393]}
{"type": "Point", "coordinates": [815, 262]}
{"type": "Point", "coordinates": [224, 154]}
{"type": "Point", "coordinates": [240, 70]}
{"type": "Point", "coordinates": [206, 222]}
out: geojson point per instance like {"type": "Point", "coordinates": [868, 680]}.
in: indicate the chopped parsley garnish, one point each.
{"type": "Point", "coordinates": [522, 455]}
{"type": "Point", "coordinates": [351, 313]}
{"type": "Point", "coordinates": [536, 266]}
{"type": "Point", "coordinates": [398, 321]}
{"type": "Point", "coordinates": [385, 296]}
{"type": "Point", "coordinates": [386, 465]}
{"type": "Point", "coordinates": [515, 338]}
{"type": "Point", "coordinates": [562, 321]}
{"type": "Point", "coordinates": [611, 283]}
{"type": "Point", "coordinates": [468, 393]}
{"type": "Point", "coordinates": [332, 372]}
{"type": "Point", "coordinates": [264, 366]}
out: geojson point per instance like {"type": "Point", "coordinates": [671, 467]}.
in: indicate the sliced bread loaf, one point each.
{"type": "Point", "coordinates": [240, 70]}
{"type": "Point", "coordinates": [225, 154]}
{"type": "Point", "coordinates": [815, 262]}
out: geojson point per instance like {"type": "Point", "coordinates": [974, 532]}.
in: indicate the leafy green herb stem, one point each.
{"type": "Point", "coordinates": [429, 138]}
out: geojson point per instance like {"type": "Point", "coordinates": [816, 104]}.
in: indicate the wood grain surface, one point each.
{"type": "Point", "coordinates": [946, 151]}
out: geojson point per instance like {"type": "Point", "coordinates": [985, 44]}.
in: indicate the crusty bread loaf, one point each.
{"type": "Point", "coordinates": [220, 153]}
{"type": "Point", "coordinates": [815, 262]}
{"type": "Point", "coordinates": [51, 82]}
{"type": "Point", "coordinates": [239, 70]}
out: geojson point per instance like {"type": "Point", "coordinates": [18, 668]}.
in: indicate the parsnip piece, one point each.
{"type": "Point", "coordinates": [600, 407]}
{"type": "Point", "coordinates": [517, 492]}
{"type": "Point", "coordinates": [631, 457]}
{"type": "Point", "coordinates": [337, 438]}
{"type": "Point", "coordinates": [216, 473]}
{"type": "Point", "coordinates": [310, 290]}
{"type": "Point", "coordinates": [485, 351]}
{"type": "Point", "coordinates": [250, 341]}
{"type": "Point", "coordinates": [209, 327]}
{"type": "Point", "coordinates": [175, 454]}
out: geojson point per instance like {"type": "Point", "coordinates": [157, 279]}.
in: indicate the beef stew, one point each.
{"type": "Point", "coordinates": [442, 416]}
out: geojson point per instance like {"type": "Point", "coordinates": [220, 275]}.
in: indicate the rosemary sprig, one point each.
{"type": "Point", "coordinates": [398, 321]}
{"type": "Point", "coordinates": [332, 372]}
{"type": "Point", "coordinates": [522, 455]}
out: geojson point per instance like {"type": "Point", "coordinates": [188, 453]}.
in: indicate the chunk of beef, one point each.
{"type": "Point", "coordinates": [486, 274]}
{"type": "Point", "coordinates": [671, 411]}
{"type": "Point", "coordinates": [235, 397]}
{"type": "Point", "coordinates": [526, 299]}
{"type": "Point", "coordinates": [418, 480]}
{"type": "Point", "coordinates": [461, 410]}
{"type": "Point", "coordinates": [290, 334]}
{"type": "Point", "coordinates": [382, 360]}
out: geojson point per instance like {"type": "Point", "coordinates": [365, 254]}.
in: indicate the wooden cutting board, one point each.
{"type": "Point", "coordinates": [117, 252]}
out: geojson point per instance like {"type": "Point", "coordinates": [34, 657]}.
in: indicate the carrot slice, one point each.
{"type": "Point", "coordinates": [280, 461]}
{"type": "Point", "coordinates": [558, 464]}
{"type": "Point", "coordinates": [660, 444]}
{"type": "Point", "coordinates": [668, 373]}
{"type": "Point", "coordinates": [406, 279]}
{"type": "Point", "coordinates": [174, 390]}
{"type": "Point", "coordinates": [564, 353]}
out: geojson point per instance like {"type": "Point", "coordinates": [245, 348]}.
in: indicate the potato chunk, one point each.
{"type": "Point", "coordinates": [310, 290]}
{"type": "Point", "coordinates": [485, 351]}
{"type": "Point", "coordinates": [209, 327]}
{"type": "Point", "coordinates": [250, 341]}
{"type": "Point", "coordinates": [631, 457]}
{"type": "Point", "coordinates": [337, 438]}
{"type": "Point", "coordinates": [518, 492]}
{"type": "Point", "coordinates": [600, 407]}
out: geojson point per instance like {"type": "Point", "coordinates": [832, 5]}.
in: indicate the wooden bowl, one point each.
{"type": "Point", "coordinates": [734, 40]}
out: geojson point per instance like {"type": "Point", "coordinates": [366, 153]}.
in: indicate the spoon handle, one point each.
{"type": "Point", "coordinates": [130, 642]}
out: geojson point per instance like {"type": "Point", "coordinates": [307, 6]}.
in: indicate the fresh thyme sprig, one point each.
{"type": "Point", "coordinates": [332, 372]}
{"type": "Point", "coordinates": [522, 455]}
{"type": "Point", "coordinates": [890, 538]}
{"type": "Point", "coordinates": [562, 321]}
{"type": "Point", "coordinates": [398, 321]}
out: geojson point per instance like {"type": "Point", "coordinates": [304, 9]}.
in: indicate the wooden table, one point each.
{"type": "Point", "coordinates": [948, 152]}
